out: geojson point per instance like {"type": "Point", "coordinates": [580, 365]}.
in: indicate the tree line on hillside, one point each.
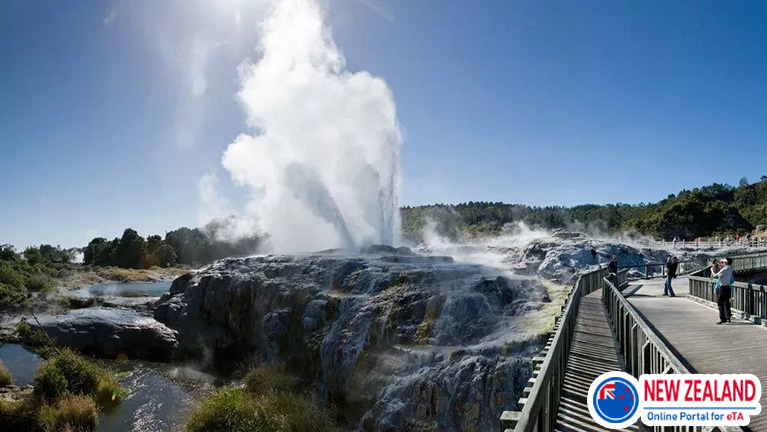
{"type": "Point", "coordinates": [186, 246]}
{"type": "Point", "coordinates": [717, 209]}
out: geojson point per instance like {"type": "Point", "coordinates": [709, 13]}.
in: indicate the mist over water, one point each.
{"type": "Point", "coordinates": [323, 163]}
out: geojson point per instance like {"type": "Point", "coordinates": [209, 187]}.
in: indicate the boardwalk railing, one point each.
{"type": "Point", "coordinates": [748, 299]}
{"type": "Point", "coordinates": [709, 243]}
{"type": "Point", "coordinates": [654, 269]}
{"type": "Point", "coordinates": [643, 351]}
{"type": "Point", "coordinates": [538, 411]}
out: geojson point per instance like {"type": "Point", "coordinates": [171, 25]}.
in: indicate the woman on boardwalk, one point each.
{"type": "Point", "coordinates": [723, 289]}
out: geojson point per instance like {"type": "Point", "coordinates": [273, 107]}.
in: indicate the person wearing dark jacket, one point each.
{"type": "Point", "coordinates": [612, 266]}
{"type": "Point", "coordinates": [671, 266]}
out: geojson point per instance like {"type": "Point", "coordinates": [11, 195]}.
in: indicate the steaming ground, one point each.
{"type": "Point", "coordinates": [323, 161]}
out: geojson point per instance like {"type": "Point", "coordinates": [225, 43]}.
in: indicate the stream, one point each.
{"type": "Point", "coordinates": [160, 399]}
{"type": "Point", "coordinates": [161, 395]}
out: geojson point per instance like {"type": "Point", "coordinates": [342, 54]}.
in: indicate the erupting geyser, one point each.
{"type": "Point", "coordinates": [323, 162]}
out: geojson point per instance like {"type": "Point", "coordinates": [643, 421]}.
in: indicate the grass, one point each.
{"type": "Point", "coordinates": [5, 376]}
{"type": "Point", "coordinates": [19, 416]}
{"type": "Point", "coordinates": [72, 413]}
{"type": "Point", "coordinates": [68, 394]}
{"type": "Point", "coordinates": [268, 379]}
{"type": "Point", "coordinates": [70, 373]}
{"type": "Point", "coordinates": [238, 410]}
{"type": "Point", "coordinates": [267, 403]}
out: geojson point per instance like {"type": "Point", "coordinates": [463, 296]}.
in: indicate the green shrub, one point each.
{"type": "Point", "coordinates": [68, 372]}
{"type": "Point", "coordinates": [237, 410]}
{"type": "Point", "coordinates": [50, 383]}
{"type": "Point", "coordinates": [268, 379]}
{"type": "Point", "coordinates": [5, 376]}
{"type": "Point", "coordinates": [19, 416]}
{"type": "Point", "coordinates": [83, 376]}
{"type": "Point", "coordinates": [109, 393]}
{"type": "Point", "coordinates": [31, 336]}
{"type": "Point", "coordinates": [72, 413]}
{"type": "Point", "coordinates": [40, 283]}
{"type": "Point", "coordinates": [11, 295]}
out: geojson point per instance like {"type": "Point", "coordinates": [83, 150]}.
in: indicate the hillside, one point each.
{"type": "Point", "coordinates": [717, 209]}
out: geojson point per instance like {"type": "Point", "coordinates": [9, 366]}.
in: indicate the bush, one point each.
{"type": "Point", "coordinates": [41, 283]}
{"type": "Point", "coordinates": [19, 416]}
{"type": "Point", "coordinates": [31, 336]}
{"type": "Point", "coordinates": [237, 410]}
{"type": "Point", "coordinates": [83, 376]}
{"type": "Point", "coordinates": [268, 379]}
{"type": "Point", "coordinates": [50, 383]}
{"type": "Point", "coordinates": [68, 372]}
{"type": "Point", "coordinates": [5, 376]}
{"type": "Point", "coordinates": [109, 393]}
{"type": "Point", "coordinates": [73, 413]}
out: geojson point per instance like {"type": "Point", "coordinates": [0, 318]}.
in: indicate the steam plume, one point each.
{"type": "Point", "coordinates": [323, 163]}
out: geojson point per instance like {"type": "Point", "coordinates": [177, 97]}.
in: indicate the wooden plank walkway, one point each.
{"type": "Point", "coordinates": [690, 329]}
{"type": "Point", "coordinates": [592, 353]}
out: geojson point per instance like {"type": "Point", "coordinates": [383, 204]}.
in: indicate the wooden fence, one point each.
{"type": "Point", "coordinates": [747, 299]}
{"type": "Point", "coordinates": [538, 411]}
{"type": "Point", "coordinates": [643, 351]}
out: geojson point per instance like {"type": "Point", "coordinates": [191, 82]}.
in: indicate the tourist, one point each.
{"type": "Point", "coordinates": [723, 289]}
{"type": "Point", "coordinates": [612, 267]}
{"type": "Point", "coordinates": [671, 266]}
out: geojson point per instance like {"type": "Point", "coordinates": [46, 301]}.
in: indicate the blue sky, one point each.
{"type": "Point", "coordinates": [112, 111]}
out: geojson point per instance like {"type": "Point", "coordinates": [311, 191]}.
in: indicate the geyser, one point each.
{"type": "Point", "coordinates": [323, 161]}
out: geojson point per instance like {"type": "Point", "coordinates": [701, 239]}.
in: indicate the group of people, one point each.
{"type": "Point", "coordinates": [721, 271]}
{"type": "Point", "coordinates": [725, 277]}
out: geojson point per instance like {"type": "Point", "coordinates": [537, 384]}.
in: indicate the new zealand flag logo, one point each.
{"type": "Point", "coordinates": [615, 400]}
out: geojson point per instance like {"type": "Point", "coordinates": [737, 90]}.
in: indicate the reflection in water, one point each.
{"type": "Point", "coordinates": [20, 362]}
{"type": "Point", "coordinates": [140, 289]}
{"type": "Point", "coordinates": [160, 398]}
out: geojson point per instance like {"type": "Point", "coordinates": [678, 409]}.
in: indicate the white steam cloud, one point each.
{"type": "Point", "coordinates": [323, 164]}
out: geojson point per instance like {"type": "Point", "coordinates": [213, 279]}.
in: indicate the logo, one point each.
{"type": "Point", "coordinates": [617, 400]}
{"type": "Point", "coordinates": [614, 400]}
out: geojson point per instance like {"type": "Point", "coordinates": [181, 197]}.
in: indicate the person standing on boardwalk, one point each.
{"type": "Point", "coordinates": [723, 289]}
{"type": "Point", "coordinates": [612, 267]}
{"type": "Point", "coordinates": [671, 266]}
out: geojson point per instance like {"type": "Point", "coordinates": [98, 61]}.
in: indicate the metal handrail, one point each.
{"type": "Point", "coordinates": [642, 349]}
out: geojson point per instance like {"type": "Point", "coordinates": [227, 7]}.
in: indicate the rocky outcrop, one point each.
{"type": "Point", "coordinates": [396, 340]}
{"type": "Point", "coordinates": [107, 332]}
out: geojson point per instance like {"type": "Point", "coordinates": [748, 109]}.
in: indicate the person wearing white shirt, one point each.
{"type": "Point", "coordinates": [724, 291]}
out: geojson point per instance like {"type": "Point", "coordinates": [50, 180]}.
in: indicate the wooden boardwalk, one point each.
{"type": "Point", "coordinates": [690, 329]}
{"type": "Point", "coordinates": [592, 353]}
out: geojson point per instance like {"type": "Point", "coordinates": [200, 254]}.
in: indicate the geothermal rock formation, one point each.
{"type": "Point", "coordinates": [397, 341]}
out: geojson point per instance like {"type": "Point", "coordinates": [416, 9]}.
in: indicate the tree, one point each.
{"type": "Point", "coordinates": [7, 252]}
{"type": "Point", "coordinates": [743, 182]}
{"type": "Point", "coordinates": [98, 252]}
{"type": "Point", "coordinates": [763, 178]}
{"type": "Point", "coordinates": [33, 255]}
{"type": "Point", "coordinates": [158, 253]}
{"type": "Point", "coordinates": [130, 250]}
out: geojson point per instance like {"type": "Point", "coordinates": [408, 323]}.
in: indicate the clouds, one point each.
{"type": "Point", "coordinates": [109, 19]}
